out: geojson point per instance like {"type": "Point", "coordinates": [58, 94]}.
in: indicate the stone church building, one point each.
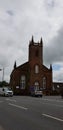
{"type": "Point", "coordinates": [32, 73]}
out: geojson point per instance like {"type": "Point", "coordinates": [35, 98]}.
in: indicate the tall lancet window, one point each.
{"type": "Point", "coordinates": [36, 69]}
{"type": "Point", "coordinates": [44, 82]}
{"type": "Point", "coordinates": [22, 82]}
{"type": "Point", "coordinates": [36, 85]}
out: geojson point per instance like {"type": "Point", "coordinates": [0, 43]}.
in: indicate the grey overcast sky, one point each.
{"type": "Point", "coordinates": [19, 20]}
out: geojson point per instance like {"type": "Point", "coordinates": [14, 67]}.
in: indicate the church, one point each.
{"type": "Point", "coordinates": [32, 73]}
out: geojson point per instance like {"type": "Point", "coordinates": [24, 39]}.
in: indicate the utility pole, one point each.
{"type": "Point", "coordinates": [0, 69]}
{"type": "Point", "coordinates": [3, 75]}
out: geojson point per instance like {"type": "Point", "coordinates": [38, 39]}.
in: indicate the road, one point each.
{"type": "Point", "coordinates": [30, 113]}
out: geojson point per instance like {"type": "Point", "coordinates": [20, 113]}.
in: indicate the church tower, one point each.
{"type": "Point", "coordinates": [36, 50]}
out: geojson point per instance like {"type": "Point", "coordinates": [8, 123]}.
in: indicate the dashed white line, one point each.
{"type": "Point", "coordinates": [8, 99]}
{"type": "Point", "coordinates": [21, 107]}
{"type": "Point", "coordinates": [1, 101]}
{"type": "Point", "coordinates": [55, 118]}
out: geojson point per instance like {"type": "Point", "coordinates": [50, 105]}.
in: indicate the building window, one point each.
{"type": "Point", "coordinates": [36, 69]}
{"type": "Point", "coordinates": [22, 82]}
{"type": "Point", "coordinates": [36, 85]}
{"type": "Point", "coordinates": [44, 82]}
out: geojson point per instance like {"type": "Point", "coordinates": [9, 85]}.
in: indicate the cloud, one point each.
{"type": "Point", "coordinates": [54, 54]}
{"type": "Point", "coordinates": [58, 75]}
{"type": "Point", "coordinates": [10, 12]}
{"type": "Point", "coordinates": [19, 20]}
{"type": "Point", "coordinates": [55, 49]}
{"type": "Point", "coordinates": [49, 4]}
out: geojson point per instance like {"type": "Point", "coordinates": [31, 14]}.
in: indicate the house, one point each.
{"type": "Point", "coordinates": [32, 73]}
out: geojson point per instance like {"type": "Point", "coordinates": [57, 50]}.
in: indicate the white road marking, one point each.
{"type": "Point", "coordinates": [1, 101]}
{"type": "Point", "coordinates": [18, 106]}
{"type": "Point", "coordinates": [55, 118]}
{"type": "Point", "coordinates": [8, 99]}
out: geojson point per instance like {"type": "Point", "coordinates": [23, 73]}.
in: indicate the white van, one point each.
{"type": "Point", "coordinates": [6, 91]}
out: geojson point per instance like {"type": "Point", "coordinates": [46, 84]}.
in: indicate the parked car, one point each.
{"type": "Point", "coordinates": [6, 91]}
{"type": "Point", "coordinates": [36, 92]}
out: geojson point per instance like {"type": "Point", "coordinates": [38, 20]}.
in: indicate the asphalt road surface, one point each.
{"type": "Point", "coordinates": [30, 113]}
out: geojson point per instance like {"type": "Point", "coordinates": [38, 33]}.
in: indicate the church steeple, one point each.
{"type": "Point", "coordinates": [41, 42]}
{"type": "Point", "coordinates": [36, 50]}
{"type": "Point", "coordinates": [32, 39]}
{"type": "Point", "coordinates": [15, 65]}
{"type": "Point", "coordinates": [50, 66]}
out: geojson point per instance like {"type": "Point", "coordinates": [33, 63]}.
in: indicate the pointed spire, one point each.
{"type": "Point", "coordinates": [32, 39]}
{"type": "Point", "coordinates": [41, 40]}
{"type": "Point", "coordinates": [15, 65]}
{"type": "Point", "coordinates": [50, 66]}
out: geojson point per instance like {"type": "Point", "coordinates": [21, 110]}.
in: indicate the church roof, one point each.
{"type": "Point", "coordinates": [45, 68]}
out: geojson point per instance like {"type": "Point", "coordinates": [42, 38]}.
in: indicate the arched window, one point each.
{"type": "Point", "coordinates": [22, 82]}
{"type": "Point", "coordinates": [36, 69]}
{"type": "Point", "coordinates": [44, 82]}
{"type": "Point", "coordinates": [36, 85]}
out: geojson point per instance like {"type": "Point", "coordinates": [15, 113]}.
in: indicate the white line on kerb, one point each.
{"type": "Point", "coordinates": [18, 106]}
{"type": "Point", "coordinates": [55, 118]}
